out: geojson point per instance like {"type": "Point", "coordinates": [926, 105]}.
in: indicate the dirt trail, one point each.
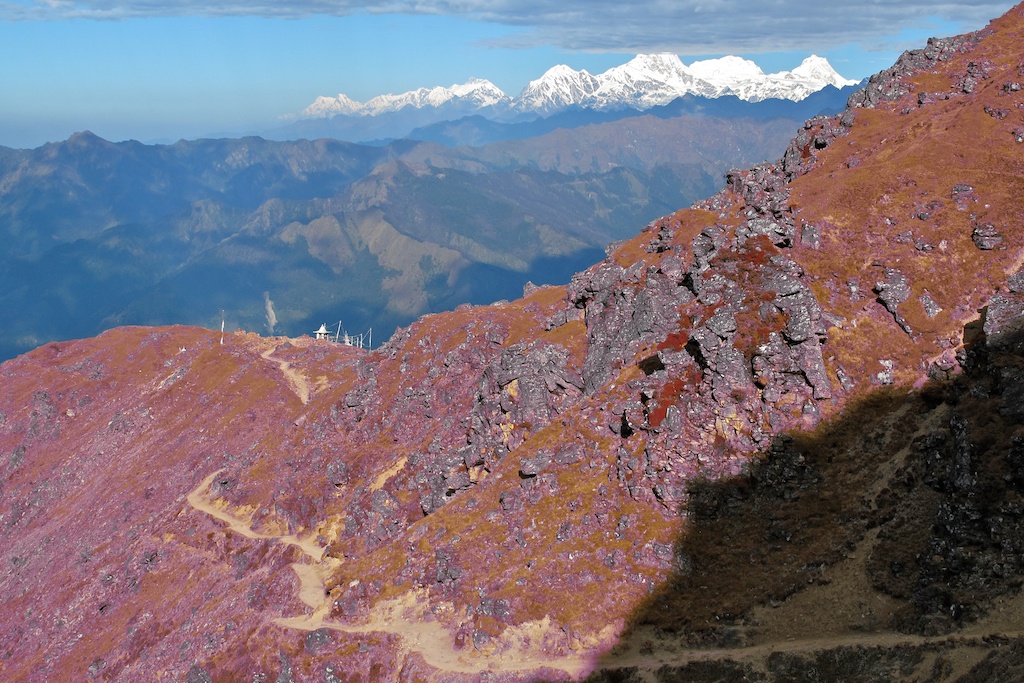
{"type": "Point", "coordinates": [404, 617]}
{"type": "Point", "coordinates": [200, 500]}
{"type": "Point", "coordinates": [665, 653]}
{"type": "Point", "coordinates": [516, 650]}
{"type": "Point", "coordinates": [296, 379]}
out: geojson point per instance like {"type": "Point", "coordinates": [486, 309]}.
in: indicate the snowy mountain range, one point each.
{"type": "Point", "coordinates": [645, 81]}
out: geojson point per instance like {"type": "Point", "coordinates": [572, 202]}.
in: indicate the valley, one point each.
{"type": "Point", "coordinates": [101, 234]}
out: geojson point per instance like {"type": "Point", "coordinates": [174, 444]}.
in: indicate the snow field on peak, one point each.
{"type": "Point", "coordinates": [646, 81]}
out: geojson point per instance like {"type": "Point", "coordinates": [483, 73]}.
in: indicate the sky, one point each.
{"type": "Point", "coordinates": [161, 70]}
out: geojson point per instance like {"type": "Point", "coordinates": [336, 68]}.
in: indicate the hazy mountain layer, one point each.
{"type": "Point", "coordinates": [478, 130]}
{"type": "Point", "coordinates": [438, 123]}
{"type": "Point", "coordinates": [284, 236]}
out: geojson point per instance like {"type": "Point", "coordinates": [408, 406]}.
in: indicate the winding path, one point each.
{"type": "Point", "coordinates": [402, 617]}
{"type": "Point", "coordinates": [201, 501]}
{"type": "Point", "coordinates": [420, 634]}
{"type": "Point", "coordinates": [296, 379]}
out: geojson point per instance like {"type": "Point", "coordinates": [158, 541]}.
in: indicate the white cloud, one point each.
{"type": "Point", "coordinates": [680, 26]}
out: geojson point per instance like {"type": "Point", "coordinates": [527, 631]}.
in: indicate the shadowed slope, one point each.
{"type": "Point", "coordinates": [881, 546]}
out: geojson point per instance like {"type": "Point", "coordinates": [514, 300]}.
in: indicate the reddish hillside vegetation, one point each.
{"type": "Point", "coordinates": [776, 436]}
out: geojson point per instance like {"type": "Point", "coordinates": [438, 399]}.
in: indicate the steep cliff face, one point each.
{"type": "Point", "coordinates": [700, 435]}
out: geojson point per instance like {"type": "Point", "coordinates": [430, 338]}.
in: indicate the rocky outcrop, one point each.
{"type": "Point", "coordinates": [892, 84]}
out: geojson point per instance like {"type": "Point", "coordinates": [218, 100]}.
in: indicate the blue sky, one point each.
{"type": "Point", "coordinates": [160, 70]}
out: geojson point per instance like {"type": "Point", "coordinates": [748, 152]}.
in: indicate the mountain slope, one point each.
{"type": "Point", "coordinates": [779, 390]}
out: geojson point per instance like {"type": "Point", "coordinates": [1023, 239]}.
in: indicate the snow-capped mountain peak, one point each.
{"type": "Point", "coordinates": [646, 81]}
{"type": "Point", "coordinates": [817, 69]}
{"type": "Point", "coordinates": [560, 87]}
{"type": "Point", "coordinates": [664, 65]}
{"type": "Point", "coordinates": [476, 92]}
{"type": "Point", "coordinates": [745, 79]}
{"type": "Point", "coordinates": [326, 107]}
{"type": "Point", "coordinates": [643, 82]}
{"type": "Point", "coordinates": [726, 72]}
{"type": "Point", "coordinates": [479, 90]}
{"type": "Point", "coordinates": [560, 71]}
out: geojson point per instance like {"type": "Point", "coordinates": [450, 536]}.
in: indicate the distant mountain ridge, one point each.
{"type": "Point", "coordinates": [476, 129]}
{"type": "Point", "coordinates": [646, 81]}
{"type": "Point", "coordinates": [98, 233]}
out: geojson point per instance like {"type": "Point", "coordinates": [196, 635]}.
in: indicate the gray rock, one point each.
{"type": "Point", "coordinates": [1016, 281]}
{"type": "Point", "coordinates": [722, 323]}
{"type": "Point", "coordinates": [569, 454]}
{"type": "Point", "coordinates": [813, 366]}
{"type": "Point", "coordinates": [531, 467]}
{"type": "Point", "coordinates": [197, 674]}
{"type": "Point", "coordinates": [845, 381]}
{"type": "Point", "coordinates": [893, 291]}
{"type": "Point", "coordinates": [1004, 315]}
{"type": "Point", "coordinates": [673, 419]}
{"type": "Point", "coordinates": [886, 377]}
{"type": "Point", "coordinates": [732, 371]}
{"type": "Point", "coordinates": [316, 640]}
{"type": "Point", "coordinates": [810, 235]}
{"type": "Point", "coordinates": [986, 237]}
{"type": "Point", "coordinates": [931, 308]}
{"type": "Point", "coordinates": [801, 324]}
